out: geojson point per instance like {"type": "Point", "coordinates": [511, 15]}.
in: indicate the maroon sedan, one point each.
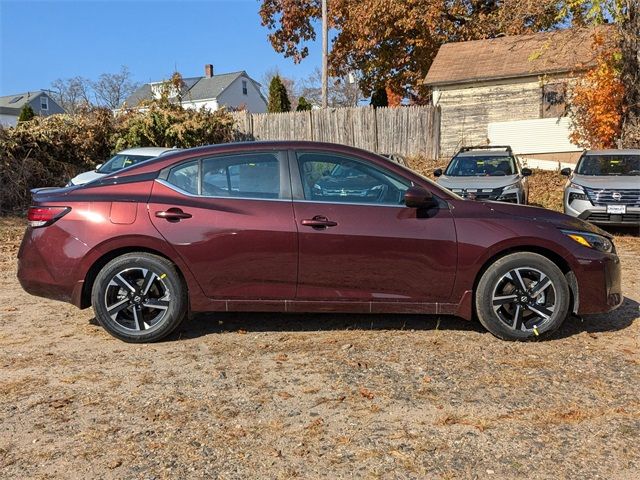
{"type": "Point", "coordinates": [306, 227]}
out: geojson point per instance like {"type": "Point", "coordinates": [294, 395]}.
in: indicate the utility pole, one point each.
{"type": "Point", "coordinates": [325, 48]}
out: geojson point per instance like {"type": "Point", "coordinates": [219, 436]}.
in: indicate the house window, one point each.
{"type": "Point", "coordinates": [44, 103]}
{"type": "Point", "coordinates": [553, 100]}
{"type": "Point", "coordinates": [244, 87]}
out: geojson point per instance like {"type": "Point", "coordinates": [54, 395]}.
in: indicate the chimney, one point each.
{"type": "Point", "coordinates": [208, 70]}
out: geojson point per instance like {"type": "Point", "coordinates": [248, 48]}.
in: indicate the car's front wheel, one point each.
{"type": "Point", "coordinates": [522, 296]}
{"type": "Point", "coordinates": [139, 297]}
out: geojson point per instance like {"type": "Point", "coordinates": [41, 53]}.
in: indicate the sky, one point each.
{"type": "Point", "coordinates": [41, 41]}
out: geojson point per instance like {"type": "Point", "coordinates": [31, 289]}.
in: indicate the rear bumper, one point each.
{"type": "Point", "coordinates": [44, 271]}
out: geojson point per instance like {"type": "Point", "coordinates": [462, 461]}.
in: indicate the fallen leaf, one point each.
{"type": "Point", "coordinates": [366, 393]}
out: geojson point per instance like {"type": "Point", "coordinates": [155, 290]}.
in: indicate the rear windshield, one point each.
{"type": "Point", "coordinates": [481, 166]}
{"type": "Point", "coordinates": [120, 161]}
{"type": "Point", "coordinates": [609, 165]}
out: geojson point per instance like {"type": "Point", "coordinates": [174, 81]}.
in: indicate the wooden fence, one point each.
{"type": "Point", "coordinates": [411, 130]}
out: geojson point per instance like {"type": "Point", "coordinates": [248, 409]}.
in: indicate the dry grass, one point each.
{"type": "Point", "coordinates": [315, 396]}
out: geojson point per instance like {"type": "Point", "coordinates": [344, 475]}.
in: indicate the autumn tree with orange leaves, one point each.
{"type": "Point", "coordinates": [391, 43]}
{"type": "Point", "coordinates": [606, 102]}
{"type": "Point", "coordinates": [596, 103]}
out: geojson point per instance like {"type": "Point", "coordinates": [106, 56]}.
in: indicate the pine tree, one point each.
{"type": "Point", "coordinates": [303, 105]}
{"type": "Point", "coordinates": [278, 98]}
{"type": "Point", "coordinates": [379, 98]}
{"type": "Point", "coordinates": [26, 114]}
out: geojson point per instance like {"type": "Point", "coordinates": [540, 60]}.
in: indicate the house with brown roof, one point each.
{"type": "Point", "coordinates": [511, 91]}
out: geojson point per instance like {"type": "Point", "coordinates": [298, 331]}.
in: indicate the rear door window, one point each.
{"type": "Point", "coordinates": [256, 175]}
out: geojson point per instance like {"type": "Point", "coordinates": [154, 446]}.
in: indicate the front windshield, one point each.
{"type": "Point", "coordinates": [609, 165]}
{"type": "Point", "coordinates": [120, 161]}
{"type": "Point", "coordinates": [481, 166]}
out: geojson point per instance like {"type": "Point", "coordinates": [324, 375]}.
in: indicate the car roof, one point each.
{"type": "Point", "coordinates": [613, 151]}
{"type": "Point", "coordinates": [484, 153]}
{"type": "Point", "coordinates": [152, 151]}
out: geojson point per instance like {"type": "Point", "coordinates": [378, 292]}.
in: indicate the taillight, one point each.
{"type": "Point", "coordinates": [43, 216]}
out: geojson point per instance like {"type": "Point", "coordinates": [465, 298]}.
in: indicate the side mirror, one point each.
{"type": "Point", "coordinates": [418, 197]}
{"type": "Point", "coordinates": [98, 167]}
{"type": "Point", "coordinates": [526, 172]}
{"type": "Point", "coordinates": [437, 172]}
{"type": "Point", "coordinates": [566, 171]}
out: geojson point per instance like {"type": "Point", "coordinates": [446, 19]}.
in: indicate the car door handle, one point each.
{"type": "Point", "coordinates": [319, 222]}
{"type": "Point", "coordinates": [173, 215]}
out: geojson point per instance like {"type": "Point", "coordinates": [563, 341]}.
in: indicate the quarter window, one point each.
{"type": "Point", "coordinates": [185, 177]}
{"type": "Point", "coordinates": [333, 178]}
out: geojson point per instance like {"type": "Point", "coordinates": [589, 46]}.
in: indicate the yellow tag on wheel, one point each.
{"type": "Point", "coordinates": [162, 276]}
{"type": "Point", "coordinates": [535, 330]}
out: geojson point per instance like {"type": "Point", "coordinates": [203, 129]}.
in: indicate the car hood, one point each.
{"type": "Point", "coordinates": [607, 182]}
{"type": "Point", "coordinates": [538, 214]}
{"type": "Point", "coordinates": [477, 182]}
{"type": "Point", "coordinates": [86, 177]}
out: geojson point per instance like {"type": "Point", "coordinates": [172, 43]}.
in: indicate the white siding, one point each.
{"type": "Point", "coordinates": [544, 135]}
{"type": "Point", "coordinates": [8, 120]}
{"type": "Point", "coordinates": [233, 97]}
{"type": "Point", "coordinates": [209, 104]}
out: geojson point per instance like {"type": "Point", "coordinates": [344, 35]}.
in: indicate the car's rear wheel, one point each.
{"type": "Point", "coordinates": [522, 296]}
{"type": "Point", "coordinates": [139, 297]}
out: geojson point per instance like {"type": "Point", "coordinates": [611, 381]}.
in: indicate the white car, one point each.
{"type": "Point", "coordinates": [120, 160]}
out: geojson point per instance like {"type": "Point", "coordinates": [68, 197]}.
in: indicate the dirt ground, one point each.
{"type": "Point", "coordinates": [315, 396]}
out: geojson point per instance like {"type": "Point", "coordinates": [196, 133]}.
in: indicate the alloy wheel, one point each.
{"type": "Point", "coordinates": [137, 299]}
{"type": "Point", "coordinates": [524, 299]}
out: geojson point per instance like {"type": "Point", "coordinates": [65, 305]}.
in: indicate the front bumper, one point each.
{"type": "Point", "coordinates": [600, 216]}
{"type": "Point", "coordinates": [597, 214]}
{"type": "Point", "coordinates": [599, 279]}
{"type": "Point", "coordinates": [512, 195]}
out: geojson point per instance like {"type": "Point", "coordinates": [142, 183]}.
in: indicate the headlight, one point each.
{"type": "Point", "coordinates": [576, 187]}
{"type": "Point", "coordinates": [513, 186]}
{"type": "Point", "coordinates": [590, 240]}
{"type": "Point", "coordinates": [577, 196]}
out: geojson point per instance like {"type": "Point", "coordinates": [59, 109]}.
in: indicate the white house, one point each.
{"type": "Point", "coordinates": [231, 90]}
{"type": "Point", "coordinates": [513, 91]}
{"type": "Point", "coordinates": [40, 101]}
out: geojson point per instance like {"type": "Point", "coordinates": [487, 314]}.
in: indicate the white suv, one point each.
{"type": "Point", "coordinates": [605, 188]}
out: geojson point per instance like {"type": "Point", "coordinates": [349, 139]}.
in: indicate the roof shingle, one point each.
{"type": "Point", "coordinates": [515, 56]}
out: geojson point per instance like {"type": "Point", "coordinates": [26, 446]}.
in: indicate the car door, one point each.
{"type": "Point", "coordinates": [230, 218]}
{"type": "Point", "coordinates": [357, 240]}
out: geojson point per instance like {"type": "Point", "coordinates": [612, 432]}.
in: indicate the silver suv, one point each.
{"type": "Point", "coordinates": [486, 173]}
{"type": "Point", "coordinates": [605, 187]}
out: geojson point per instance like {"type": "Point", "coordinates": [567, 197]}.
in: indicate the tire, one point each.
{"type": "Point", "coordinates": [522, 296]}
{"type": "Point", "coordinates": [139, 297]}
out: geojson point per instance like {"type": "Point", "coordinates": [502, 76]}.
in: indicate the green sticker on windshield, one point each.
{"type": "Point", "coordinates": [612, 162]}
{"type": "Point", "coordinates": [480, 162]}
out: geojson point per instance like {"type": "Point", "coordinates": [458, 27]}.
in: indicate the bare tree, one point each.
{"type": "Point", "coordinates": [111, 89]}
{"type": "Point", "coordinates": [341, 91]}
{"type": "Point", "coordinates": [72, 94]}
